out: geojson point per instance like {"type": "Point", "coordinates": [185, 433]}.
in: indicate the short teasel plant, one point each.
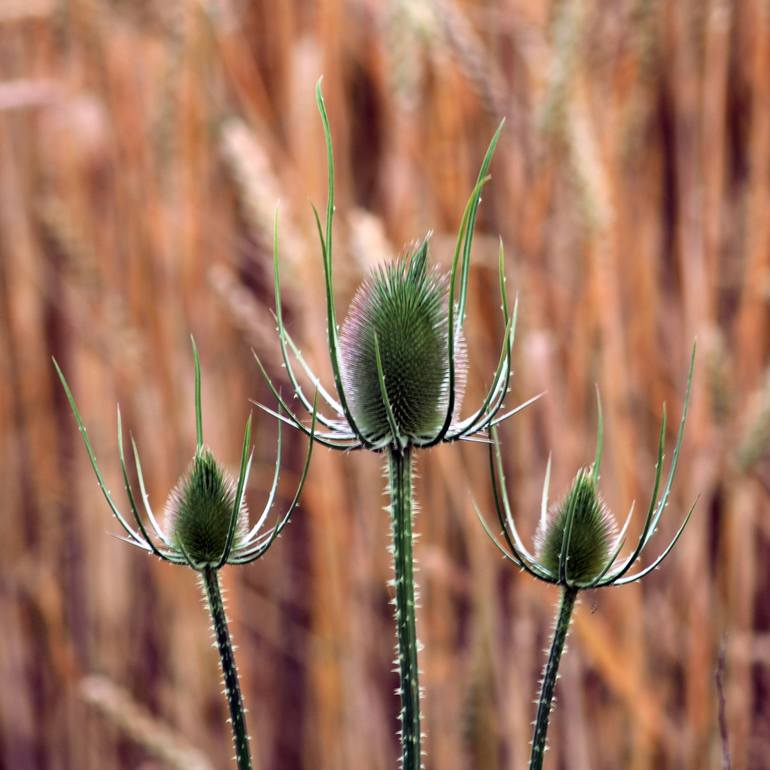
{"type": "Point", "coordinates": [206, 527]}
{"type": "Point", "coordinates": [399, 368]}
{"type": "Point", "coordinates": [577, 545]}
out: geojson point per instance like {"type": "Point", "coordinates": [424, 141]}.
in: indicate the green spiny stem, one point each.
{"type": "Point", "coordinates": [566, 606]}
{"type": "Point", "coordinates": [400, 477]}
{"type": "Point", "coordinates": [229, 670]}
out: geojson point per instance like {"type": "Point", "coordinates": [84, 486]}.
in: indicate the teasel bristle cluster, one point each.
{"type": "Point", "coordinates": [206, 507]}
{"type": "Point", "coordinates": [395, 334]}
{"type": "Point", "coordinates": [584, 498]}
{"type": "Point", "coordinates": [399, 366]}
{"type": "Point", "coordinates": [198, 510]}
{"type": "Point", "coordinates": [406, 280]}
{"type": "Point", "coordinates": [588, 526]}
{"type": "Point", "coordinates": [206, 528]}
{"type": "Point", "coordinates": [577, 547]}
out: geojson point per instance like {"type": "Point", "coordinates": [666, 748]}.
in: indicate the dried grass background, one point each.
{"type": "Point", "coordinates": [143, 146]}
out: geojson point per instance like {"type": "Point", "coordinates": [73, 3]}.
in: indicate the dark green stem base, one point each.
{"type": "Point", "coordinates": [568, 597]}
{"type": "Point", "coordinates": [229, 671]}
{"type": "Point", "coordinates": [400, 477]}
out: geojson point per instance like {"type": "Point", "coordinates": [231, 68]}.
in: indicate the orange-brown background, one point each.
{"type": "Point", "coordinates": [143, 146]}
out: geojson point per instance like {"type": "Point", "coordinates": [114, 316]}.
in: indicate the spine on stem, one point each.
{"type": "Point", "coordinates": [401, 513]}
{"type": "Point", "coordinates": [563, 618]}
{"type": "Point", "coordinates": [229, 670]}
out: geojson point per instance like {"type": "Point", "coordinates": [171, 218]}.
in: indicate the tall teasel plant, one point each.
{"type": "Point", "coordinates": [577, 545]}
{"type": "Point", "coordinates": [399, 369]}
{"type": "Point", "coordinates": [206, 527]}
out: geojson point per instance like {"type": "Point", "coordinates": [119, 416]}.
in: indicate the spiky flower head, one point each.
{"type": "Point", "coordinates": [199, 509]}
{"type": "Point", "coordinates": [589, 528]}
{"type": "Point", "coordinates": [206, 515]}
{"type": "Point", "coordinates": [398, 362]}
{"type": "Point", "coordinates": [394, 350]}
{"type": "Point", "coordinates": [576, 545]}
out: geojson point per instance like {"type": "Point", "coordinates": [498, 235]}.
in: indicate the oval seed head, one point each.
{"type": "Point", "coordinates": [405, 305]}
{"type": "Point", "coordinates": [199, 508]}
{"type": "Point", "coordinates": [591, 536]}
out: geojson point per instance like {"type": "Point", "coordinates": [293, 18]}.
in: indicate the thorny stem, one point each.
{"type": "Point", "coordinates": [566, 606]}
{"type": "Point", "coordinates": [229, 670]}
{"type": "Point", "coordinates": [400, 478]}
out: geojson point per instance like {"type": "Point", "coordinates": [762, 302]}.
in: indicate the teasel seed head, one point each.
{"type": "Point", "coordinates": [400, 314]}
{"type": "Point", "coordinates": [199, 509]}
{"type": "Point", "coordinates": [576, 545]}
{"type": "Point", "coordinates": [398, 362]}
{"type": "Point", "coordinates": [589, 527]}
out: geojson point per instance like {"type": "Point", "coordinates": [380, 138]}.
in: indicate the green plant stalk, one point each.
{"type": "Point", "coordinates": [229, 670]}
{"type": "Point", "coordinates": [401, 515]}
{"type": "Point", "coordinates": [563, 618]}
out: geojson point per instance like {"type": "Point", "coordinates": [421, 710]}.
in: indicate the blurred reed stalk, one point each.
{"type": "Point", "coordinates": [141, 726]}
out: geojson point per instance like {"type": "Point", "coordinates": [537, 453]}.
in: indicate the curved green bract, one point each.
{"type": "Point", "coordinates": [198, 410]}
{"type": "Point", "coordinates": [326, 249]}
